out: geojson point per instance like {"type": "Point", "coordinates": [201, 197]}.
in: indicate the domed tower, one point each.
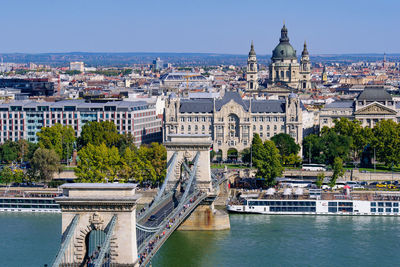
{"type": "Point", "coordinates": [252, 72]}
{"type": "Point", "coordinates": [305, 69]}
{"type": "Point", "coordinates": [284, 67]}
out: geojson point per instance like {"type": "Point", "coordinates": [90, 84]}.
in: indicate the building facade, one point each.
{"type": "Point", "coordinates": [285, 68]}
{"type": "Point", "coordinates": [77, 65]}
{"type": "Point", "coordinates": [24, 119]}
{"type": "Point", "coordinates": [232, 121]}
{"type": "Point", "coordinates": [369, 107]}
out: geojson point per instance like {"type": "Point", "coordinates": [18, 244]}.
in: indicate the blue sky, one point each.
{"type": "Point", "coordinates": [217, 26]}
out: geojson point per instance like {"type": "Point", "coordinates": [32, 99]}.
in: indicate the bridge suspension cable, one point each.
{"type": "Point", "coordinates": [105, 247]}
{"type": "Point", "coordinates": [65, 241]}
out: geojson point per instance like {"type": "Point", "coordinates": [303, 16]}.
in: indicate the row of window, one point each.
{"type": "Point", "coordinates": [388, 210]}
{"type": "Point", "coordinates": [385, 204]}
{"type": "Point", "coordinates": [194, 119]}
{"type": "Point", "coordinates": [293, 209]}
{"type": "Point", "coordinates": [16, 200]}
{"type": "Point", "coordinates": [19, 206]}
{"type": "Point", "coordinates": [340, 204]}
{"type": "Point", "coordinates": [340, 209]}
{"type": "Point", "coordinates": [281, 203]}
{"type": "Point", "coordinates": [69, 115]}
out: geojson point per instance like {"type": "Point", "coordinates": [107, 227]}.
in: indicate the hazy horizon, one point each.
{"type": "Point", "coordinates": [221, 27]}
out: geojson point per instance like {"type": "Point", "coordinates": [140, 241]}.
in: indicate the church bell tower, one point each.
{"type": "Point", "coordinates": [252, 72]}
{"type": "Point", "coordinates": [305, 69]}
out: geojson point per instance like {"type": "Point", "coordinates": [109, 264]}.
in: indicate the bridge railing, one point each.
{"type": "Point", "coordinates": [150, 248]}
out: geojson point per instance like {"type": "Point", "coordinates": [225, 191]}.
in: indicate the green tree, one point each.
{"type": "Point", "coordinates": [387, 142]}
{"type": "Point", "coordinates": [257, 146]}
{"type": "Point", "coordinates": [131, 168]}
{"type": "Point", "coordinates": [267, 161]}
{"type": "Point", "coordinates": [44, 164]}
{"type": "Point", "coordinates": [6, 175]}
{"type": "Point", "coordinates": [320, 179]}
{"type": "Point", "coordinates": [125, 141]}
{"type": "Point", "coordinates": [98, 164]}
{"type": "Point", "coordinates": [9, 151]}
{"type": "Point", "coordinates": [335, 146]}
{"type": "Point", "coordinates": [360, 136]}
{"type": "Point", "coordinates": [338, 171]}
{"type": "Point", "coordinates": [246, 155]}
{"type": "Point", "coordinates": [59, 138]}
{"type": "Point", "coordinates": [286, 144]}
{"type": "Point", "coordinates": [19, 176]}
{"type": "Point", "coordinates": [96, 133]}
{"type": "Point", "coordinates": [156, 155]}
{"type": "Point", "coordinates": [312, 149]}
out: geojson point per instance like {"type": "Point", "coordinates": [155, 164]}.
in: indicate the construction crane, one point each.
{"type": "Point", "coordinates": [187, 79]}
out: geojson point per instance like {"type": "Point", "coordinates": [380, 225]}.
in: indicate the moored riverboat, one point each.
{"type": "Point", "coordinates": [381, 204]}
{"type": "Point", "coordinates": [29, 201]}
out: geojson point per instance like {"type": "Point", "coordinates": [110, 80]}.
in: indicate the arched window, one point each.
{"type": "Point", "coordinates": [233, 127]}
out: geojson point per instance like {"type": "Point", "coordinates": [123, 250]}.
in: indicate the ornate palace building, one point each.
{"type": "Point", "coordinates": [285, 72]}
{"type": "Point", "coordinates": [231, 121]}
{"type": "Point", "coordinates": [370, 106]}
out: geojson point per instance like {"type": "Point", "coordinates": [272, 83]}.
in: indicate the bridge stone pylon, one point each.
{"type": "Point", "coordinates": [106, 208]}
{"type": "Point", "coordinates": [184, 148]}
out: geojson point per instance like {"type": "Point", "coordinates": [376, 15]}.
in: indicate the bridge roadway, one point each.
{"type": "Point", "coordinates": [174, 219]}
{"type": "Point", "coordinates": [160, 215]}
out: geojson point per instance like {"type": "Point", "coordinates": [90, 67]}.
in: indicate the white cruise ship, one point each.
{"type": "Point", "coordinates": [29, 201]}
{"type": "Point", "coordinates": [382, 204]}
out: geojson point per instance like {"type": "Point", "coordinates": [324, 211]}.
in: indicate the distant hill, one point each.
{"type": "Point", "coordinates": [178, 59]}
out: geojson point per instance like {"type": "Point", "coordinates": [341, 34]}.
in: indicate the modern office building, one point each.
{"type": "Point", "coordinates": [30, 87]}
{"type": "Point", "coordinates": [24, 119]}
{"type": "Point", "coordinates": [158, 64]}
{"type": "Point", "coordinates": [231, 121]}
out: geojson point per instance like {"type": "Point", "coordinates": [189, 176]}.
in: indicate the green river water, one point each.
{"type": "Point", "coordinates": [254, 240]}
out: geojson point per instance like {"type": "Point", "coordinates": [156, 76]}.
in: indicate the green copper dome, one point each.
{"type": "Point", "coordinates": [284, 50]}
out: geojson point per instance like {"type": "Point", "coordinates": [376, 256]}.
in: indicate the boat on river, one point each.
{"type": "Point", "coordinates": [316, 202]}
{"type": "Point", "coordinates": [29, 201]}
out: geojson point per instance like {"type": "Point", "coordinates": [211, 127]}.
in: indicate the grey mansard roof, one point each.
{"type": "Point", "coordinates": [206, 105]}
{"type": "Point", "coordinates": [374, 94]}
{"type": "Point", "coordinates": [268, 106]}
{"type": "Point", "coordinates": [196, 106]}
{"type": "Point", "coordinates": [341, 104]}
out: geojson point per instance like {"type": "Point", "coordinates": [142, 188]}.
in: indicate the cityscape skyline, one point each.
{"type": "Point", "coordinates": [223, 27]}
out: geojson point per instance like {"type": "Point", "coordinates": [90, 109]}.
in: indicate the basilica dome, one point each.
{"type": "Point", "coordinates": [284, 50]}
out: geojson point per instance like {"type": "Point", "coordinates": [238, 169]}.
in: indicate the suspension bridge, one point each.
{"type": "Point", "coordinates": [101, 226]}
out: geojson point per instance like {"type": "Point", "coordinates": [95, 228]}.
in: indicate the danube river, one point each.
{"type": "Point", "coordinates": [254, 240]}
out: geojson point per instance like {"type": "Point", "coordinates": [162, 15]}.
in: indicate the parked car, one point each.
{"type": "Point", "coordinates": [379, 185]}
{"type": "Point", "coordinates": [364, 183]}
{"type": "Point", "coordinates": [152, 218]}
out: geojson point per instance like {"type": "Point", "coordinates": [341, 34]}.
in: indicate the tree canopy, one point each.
{"type": "Point", "coordinates": [387, 142]}
{"type": "Point", "coordinates": [288, 149]}
{"type": "Point", "coordinates": [98, 164]}
{"type": "Point", "coordinates": [59, 138]}
{"type": "Point", "coordinates": [266, 159]}
{"type": "Point", "coordinates": [96, 133]}
{"type": "Point", "coordinates": [44, 163]}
